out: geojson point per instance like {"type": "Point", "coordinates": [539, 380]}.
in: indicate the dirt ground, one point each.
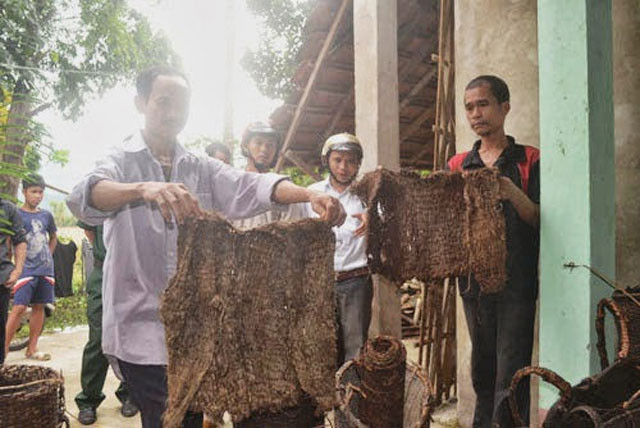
{"type": "Point", "coordinates": [66, 355]}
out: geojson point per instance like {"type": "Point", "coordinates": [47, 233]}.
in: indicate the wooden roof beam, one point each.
{"type": "Point", "coordinates": [346, 101]}
{"type": "Point", "coordinates": [291, 132]}
{"type": "Point", "coordinates": [424, 80]}
{"type": "Point", "coordinates": [405, 33]}
{"type": "Point", "coordinates": [417, 123]}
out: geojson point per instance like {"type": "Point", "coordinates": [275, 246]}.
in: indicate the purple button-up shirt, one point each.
{"type": "Point", "coordinates": [141, 246]}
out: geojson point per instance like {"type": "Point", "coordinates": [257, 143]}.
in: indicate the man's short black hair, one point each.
{"type": "Point", "coordinates": [33, 180]}
{"type": "Point", "coordinates": [498, 87]}
{"type": "Point", "coordinates": [144, 81]}
{"type": "Point", "coordinates": [212, 148]}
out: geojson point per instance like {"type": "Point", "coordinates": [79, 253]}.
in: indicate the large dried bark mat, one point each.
{"type": "Point", "coordinates": [249, 318]}
{"type": "Point", "coordinates": [447, 224]}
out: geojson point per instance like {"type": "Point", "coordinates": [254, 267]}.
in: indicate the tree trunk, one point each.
{"type": "Point", "coordinates": [18, 136]}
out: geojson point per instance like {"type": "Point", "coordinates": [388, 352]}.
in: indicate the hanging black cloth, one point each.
{"type": "Point", "coordinates": [64, 257]}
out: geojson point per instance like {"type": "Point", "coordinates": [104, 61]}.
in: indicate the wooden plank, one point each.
{"type": "Point", "coordinates": [312, 79]}
{"type": "Point", "coordinates": [424, 80]}
{"type": "Point", "coordinates": [338, 114]}
{"type": "Point", "coordinates": [57, 189]}
{"type": "Point", "coordinates": [317, 110]}
{"type": "Point", "coordinates": [406, 33]}
{"type": "Point", "coordinates": [417, 123]}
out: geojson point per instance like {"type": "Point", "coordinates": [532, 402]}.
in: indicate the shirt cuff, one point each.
{"type": "Point", "coordinates": [266, 187]}
{"type": "Point", "coordinates": [79, 201]}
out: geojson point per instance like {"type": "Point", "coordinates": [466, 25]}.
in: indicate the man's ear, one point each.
{"type": "Point", "coordinates": [506, 107]}
{"type": "Point", "coordinates": [140, 103]}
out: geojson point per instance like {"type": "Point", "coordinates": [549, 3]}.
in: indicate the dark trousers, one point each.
{"type": "Point", "coordinates": [353, 302]}
{"type": "Point", "coordinates": [501, 333]}
{"type": "Point", "coordinates": [148, 388]}
{"type": "Point", "coordinates": [4, 314]}
{"type": "Point", "coordinates": [94, 364]}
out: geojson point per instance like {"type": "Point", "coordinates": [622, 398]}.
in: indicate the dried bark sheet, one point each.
{"type": "Point", "coordinates": [249, 318]}
{"type": "Point", "coordinates": [447, 224]}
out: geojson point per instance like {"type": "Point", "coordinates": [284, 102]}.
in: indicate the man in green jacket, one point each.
{"type": "Point", "coordinates": [94, 363]}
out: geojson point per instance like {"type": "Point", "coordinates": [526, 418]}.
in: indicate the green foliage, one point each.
{"type": "Point", "coordinates": [67, 50]}
{"type": "Point", "coordinates": [61, 214]}
{"type": "Point", "coordinates": [273, 63]}
{"type": "Point", "coordinates": [298, 176]}
{"type": "Point", "coordinates": [60, 53]}
{"type": "Point", "coordinates": [70, 311]}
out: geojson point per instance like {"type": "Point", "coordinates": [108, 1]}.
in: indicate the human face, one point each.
{"type": "Point", "coordinates": [485, 115]}
{"type": "Point", "coordinates": [262, 149]}
{"type": "Point", "coordinates": [167, 107]}
{"type": "Point", "coordinates": [33, 196]}
{"type": "Point", "coordinates": [344, 166]}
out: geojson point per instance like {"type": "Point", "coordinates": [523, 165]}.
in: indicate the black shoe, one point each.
{"type": "Point", "coordinates": [128, 409]}
{"type": "Point", "coordinates": [87, 416]}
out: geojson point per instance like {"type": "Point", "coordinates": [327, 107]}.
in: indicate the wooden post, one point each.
{"type": "Point", "coordinates": [375, 28]}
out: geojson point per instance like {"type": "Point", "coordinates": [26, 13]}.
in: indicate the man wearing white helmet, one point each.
{"type": "Point", "coordinates": [342, 156]}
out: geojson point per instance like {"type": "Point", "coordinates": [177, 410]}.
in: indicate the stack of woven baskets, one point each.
{"type": "Point", "coordinates": [31, 396]}
{"type": "Point", "coordinates": [610, 398]}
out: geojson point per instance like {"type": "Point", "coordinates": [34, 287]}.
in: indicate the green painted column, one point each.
{"type": "Point", "coordinates": [577, 181]}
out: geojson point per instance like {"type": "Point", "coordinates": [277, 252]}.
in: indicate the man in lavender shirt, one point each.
{"type": "Point", "coordinates": [140, 191]}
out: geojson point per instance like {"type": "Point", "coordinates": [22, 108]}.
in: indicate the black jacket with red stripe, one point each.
{"type": "Point", "coordinates": [522, 165]}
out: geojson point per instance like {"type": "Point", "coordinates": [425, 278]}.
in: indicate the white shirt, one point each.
{"type": "Point", "coordinates": [351, 250]}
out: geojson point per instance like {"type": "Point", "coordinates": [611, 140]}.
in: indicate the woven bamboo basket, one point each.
{"type": "Point", "coordinates": [31, 397]}
{"type": "Point", "coordinates": [626, 314]}
{"type": "Point", "coordinates": [418, 397]}
{"type": "Point", "coordinates": [609, 399]}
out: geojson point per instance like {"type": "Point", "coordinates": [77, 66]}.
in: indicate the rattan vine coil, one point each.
{"type": "Point", "coordinates": [626, 314]}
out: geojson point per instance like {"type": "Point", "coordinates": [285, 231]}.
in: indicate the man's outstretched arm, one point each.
{"type": "Point", "coordinates": [171, 198]}
{"type": "Point", "coordinates": [328, 208]}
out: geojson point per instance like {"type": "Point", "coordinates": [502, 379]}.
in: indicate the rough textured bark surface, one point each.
{"type": "Point", "coordinates": [250, 319]}
{"type": "Point", "coordinates": [447, 224]}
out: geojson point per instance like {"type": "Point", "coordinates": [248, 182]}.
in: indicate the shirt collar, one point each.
{"type": "Point", "coordinates": [513, 153]}
{"type": "Point", "coordinates": [329, 188]}
{"type": "Point", "coordinates": [135, 143]}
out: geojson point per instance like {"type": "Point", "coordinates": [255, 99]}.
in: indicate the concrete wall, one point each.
{"type": "Point", "coordinates": [375, 29]}
{"type": "Point", "coordinates": [494, 37]}
{"type": "Point", "coordinates": [626, 85]}
{"type": "Point", "coordinates": [499, 37]}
